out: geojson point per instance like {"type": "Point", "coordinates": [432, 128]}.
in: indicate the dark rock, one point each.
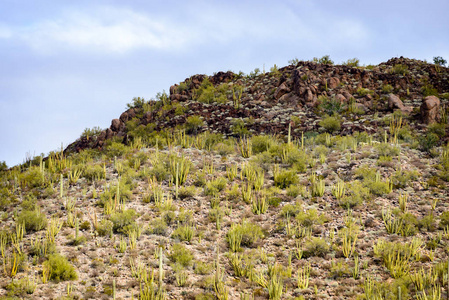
{"type": "Point", "coordinates": [430, 109]}
{"type": "Point", "coordinates": [116, 125]}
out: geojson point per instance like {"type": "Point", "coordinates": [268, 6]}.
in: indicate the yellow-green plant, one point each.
{"type": "Point", "coordinates": [245, 147]}
{"type": "Point", "coordinates": [338, 190]}
{"type": "Point", "coordinates": [259, 204]}
{"type": "Point", "coordinates": [303, 277]}
{"type": "Point", "coordinates": [275, 287]}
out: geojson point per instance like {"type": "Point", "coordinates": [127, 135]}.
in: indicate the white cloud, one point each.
{"type": "Point", "coordinates": [104, 30]}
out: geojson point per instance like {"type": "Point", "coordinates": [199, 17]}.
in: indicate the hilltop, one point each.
{"type": "Point", "coordinates": [310, 181]}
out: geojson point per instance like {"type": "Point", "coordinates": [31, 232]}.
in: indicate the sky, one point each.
{"type": "Point", "coordinates": [70, 65]}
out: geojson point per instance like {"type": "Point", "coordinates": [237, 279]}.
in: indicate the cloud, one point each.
{"type": "Point", "coordinates": [105, 30]}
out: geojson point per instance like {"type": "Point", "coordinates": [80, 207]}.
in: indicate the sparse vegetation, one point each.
{"type": "Point", "coordinates": [242, 185]}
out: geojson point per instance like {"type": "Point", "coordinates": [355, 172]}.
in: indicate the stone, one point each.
{"type": "Point", "coordinates": [430, 109]}
{"type": "Point", "coordinates": [281, 90]}
{"type": "Point", "coordinates": [115, 125]}
{"type": "Point", "coordinates": [395, 103]}
{"type": "Point", "coordinates": [333, 82]}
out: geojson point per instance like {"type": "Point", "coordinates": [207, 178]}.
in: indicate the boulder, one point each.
{"type": "Point", "coordinates": [281, 90]}
{"type": "Point", "coordinates": [430, 109]}
{"type": "Point", "coordinates": [333, 82]}
{"type": "Point", "coordinates": [395, 103]}
{"type": "Point", "coordinates": [115, 125]}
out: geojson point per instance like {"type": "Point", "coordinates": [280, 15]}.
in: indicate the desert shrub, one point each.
{"type": "Point", "coordinates": [20, 288]}
{"type": "Point", "coordinates": [59, 268]}
{"type": "Point", "coordinates": [6, 198]}
{"type": "Point", "coordinates": [428, 141]}
{"type": "Point", "coordinates": [310, 218]}
{"type": "Point", "coordinates": [238, 128]}
{"type": "Point", "coordinates": [379, 188]}
{"type": "Point", "coordinates": [285, 178]}
{"type": "Point", "coordinates": [427, 222]}
{"type": "Point", "coordinates": [356, 193]}
{"type": "Point", "coordinates": [330, 124]}
{"type": "Point", "coordinates": [116, 149]}
{"type": "Point", "coordinates": [315, 247]}
{"type": "Point", "coordinates": [385, 149]}
{"type": "Point", "coordinates": [104, 227]}
{"type": "Point", "coordinates": [90, 132]}
{"type": "Point", "coordinates": [264, 160]}
{"type": "Point", "coordinates": [438, 129]}
{"type": "Point", "coordinates": [244, 234]}
{"type": "Point", "coordinates": [33, 177]}
{"type": "Point", "coordinates": [363, 92]}
{"type": "Point", "coordinates": [295, 157]}
{"type": "Point", "coordinates": [438, 60]}
{"type": "Point", "coordinates": [429, 90]}
{"type": "Point", "coordinates": [224, 149]}
{"type": "Point", "coordinates": [215, 186]}
{"type": "Point", "coordinates": [323, 60]}
{"type": "Point", "coordinates": [158, 226]}
{"type": "Point", "coordinates": [202, 268]}
{"type": "Point", "coordinates": [352, 62]}
{"type": "Point", "coordinates": [34, 220]}
{"type": "Point", "coordinates": [444, 219]}
{"type": "Point", "coordinates": [402, 178]}
{"type": "Point", "coordinates": [186, 192]}
{"type": "Point", "coordinates": [3, 166]}
{"type": "Point", "coordinates": [330, 106]}
{"type": "Point", "coordinates": [400, 69]}
{"type": "Point", "coordinates": [123, 220]}
{"type": "Point", "coordinates": [181, 255]}
{"type": "Point", "coordinates": [291, 210]}
{"type": "Point", "coordinates": [261, 143]}
{"type": "Point", "coordinates": [193, 124]}
{"type": "Point", "coordinates": [184, 233]}
{"type": "Point", "coordinates": [387, 88]}
{"type": "Point", "coordinates": [93, 172]}
{"type": "Point", "coordinates": [295, 190]}
{"type": "Point", "coordinates": [159, 171]}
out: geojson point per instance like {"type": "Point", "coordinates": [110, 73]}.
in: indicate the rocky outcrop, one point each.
{"type": "Point", "coordinates": [394, 102]}
{"type": "Point", "coordinates": [430, 109]}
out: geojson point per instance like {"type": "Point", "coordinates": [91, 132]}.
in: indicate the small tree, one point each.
{"type": "Point", "coordinates": [438, 60]}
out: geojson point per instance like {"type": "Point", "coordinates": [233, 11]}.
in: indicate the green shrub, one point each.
{"type": "Point", "coordinates": [33, 177]}
{"type": "Point", "coordinates": [159, 227]}
{"type": "Point", "coordinates": [214, 187]}
{"type": "Point", "coordinates": [184, 233]}
{"type": "Point", "coordinates": [244, 234]}
{"type": "Point", "coordinates": [34, 220]}
{"type": "Point", "coordinates": [385, 149]}
{"type": "Point", "coordinates": [387, 88]}
{"type": "Point", "coordinates": [123, 220]}
{"type": "Point", "coordinates": [428, 141]}
{"type": "Point", "coordinates": [363, 92]}
{"type": "Point", "coordinates": [21, 288]}
{"type": "Point", "coordinates": [438, 60]}
{"type": "Point", "coordinates": [261, 143]}
{"type": "Point", "coordinates": [352, 62]}
{"type": "Point", "coordinates": [290, 210]}
{"type": "Point", "coordinates": [104, 227]}
{"type": "Point", "coordinates": [181, 255]}
{"type": "Point", "coordinates": [116, 149]}
{"type": "Point", "coordinates": [438, 129]}
{"type": "Point", "coordinates": [400, 69]}
{"type": "Point", "coordinates": [90, 132]}
{"type": "Point", "coordinates": [323, 60]}
{"type": "Point", "coordinates": [444, 219]}
{"type": "Point", "coordinates": [6, 197]}
{"type": "Point", "coordinates": [330, 106]}
{"type": "Point", "coordinates": [284, 179]}
{"type": "Point", "coordinates": [59, 268]}
{"type": "Point", "coordinates": [315, 247]}
{"type": "Point", "coordinates": [379, 188]}
{"type": "Point", "coordinates": [193, 124]}
{"type": "Point", "coordinates": [93, 172]}
{"type": "Point", "coordinates": [238, 128]}
{"type": "Point", "coordinates": [330, 124]}
{"type": "Point", "coordinates": [429, 90]}
{"type": "Point", "coordinates": [310, 218]}
{"type": "Point", "coordinates": [186, 192]}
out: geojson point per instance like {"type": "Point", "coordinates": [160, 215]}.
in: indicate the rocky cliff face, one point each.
{"type": "Point", "coordinates": [268, 102]}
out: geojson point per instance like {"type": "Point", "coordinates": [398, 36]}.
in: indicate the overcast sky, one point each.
{"type": "Point", "coordinates": [69, 65]}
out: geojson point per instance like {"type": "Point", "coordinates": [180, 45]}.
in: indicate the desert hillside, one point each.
{"type": "Point", "coordinates": [310, 181]}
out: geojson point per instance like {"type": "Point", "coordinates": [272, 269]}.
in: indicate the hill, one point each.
{"type": "Point", "coordinates": [311, 181]}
